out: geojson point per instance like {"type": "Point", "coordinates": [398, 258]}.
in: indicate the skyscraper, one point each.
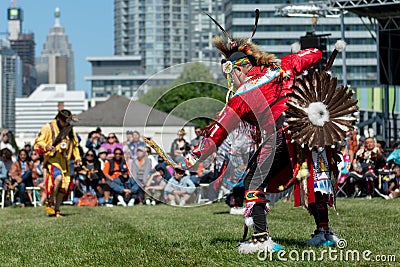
{"type": "Point", "coordinates": [24, 45]}
{"type": "Point", "coordinates": [10, 83]}
{"type": "Point", "coordinates": [156, 30]}
{"type": "Point", "coordinates": [202, 30]}
{"type": "Point", "coordinates": [56, 63]}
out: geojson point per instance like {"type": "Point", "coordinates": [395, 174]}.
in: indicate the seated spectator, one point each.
{"type": "Point", "coordinates": [205, 171]}
{"type": "Point", "coordinates": [150, 156]}
{"type": "Point", "coordinates": [367, 161]}
{"type": "Point", "coordinates": [22, 173]}
{"type": "Point", "coordinates": [195, 142]}
{"type": "Point", "coordinates": [103, 138]}
{"type": "Point", "coordinates": [133, 142]}
{"type": "Point", "coordinates": [111, 145]}
{"type": "Point", "coordinates": [89, 177]}
{"type": "Point", "coordinates": [37, 161]}
{"type": "Point", "coordinates": [112, 171]}
{"type": "Point", "coordinates": [125, 188]}
{"type": "Point", "coordinates": [162, 170]}
{"type": "Point", "coordinates": [3, 175]}
{"type": "Point", "coordinates": [343, 166]}
{"type": "Point", "coordinates": [394, 157]}
{"type": "Point", "coordinates": [155, 188]}
{"type": "Point", "coordinates": [394, 184]}
{"type": "Point", "coordinates": [5, 141]}
{"type": "Point", "coordinates": [179, 147]}
{"type": "Point", "coordinates": [179, 188]}
{"type": "Point", "coordinates": [6, 157]}
{"type": "Point", "coordinates": [28, 148]}
{"type": "Point", "coordinates": [141, 169]}
{"type": "Point", "coordinates": [93, 141]}
{"type": "Point", "coordinates": [102, 156]}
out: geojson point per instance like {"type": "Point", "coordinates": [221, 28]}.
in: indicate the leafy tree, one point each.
{"type": "Point", "coordinates": [194, 95]}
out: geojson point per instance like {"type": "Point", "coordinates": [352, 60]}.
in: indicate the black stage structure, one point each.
{"type": "Point", "coordinates": [387, 15]}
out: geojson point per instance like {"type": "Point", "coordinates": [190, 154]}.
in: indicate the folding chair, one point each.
{"type": "Point", "coordinates": [341, 189]}
{"type": "Point", "coordinates": [202, 195]}
{"type": "Point", "coordinates": [33, 190]}
{"type": "Point", "coordinates": [4, 196]}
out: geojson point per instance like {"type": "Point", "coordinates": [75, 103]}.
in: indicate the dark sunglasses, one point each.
{"type": "Point", "coordinates": [111, 137]}
{"type": "Point", "coordinates": [90, 155]}
{"type": "Point", "coordinates": [118, 153]}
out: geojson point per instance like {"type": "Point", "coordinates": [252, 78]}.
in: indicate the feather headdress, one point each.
{"type": "Point", "coordinates": [227, 46]}
{"type": "Point", "coordinates": [318, 113]}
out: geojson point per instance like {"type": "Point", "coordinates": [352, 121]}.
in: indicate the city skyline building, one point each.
{"type": "Point", "coordinates": [123, 75]}
{"type": "Point", "coordinates": [56, 62]}
{"type": "Point", "coordinates": [154, 36]}
{"type": "Point", "coordinates": [156, 30]}
{"type": "Point", "coordinates": [32, 112]}
{"type": "Point", "coordinates": [10, 84]}
{"type": "Point", "coordinates": [202, 30]}
{"type": "Point", "coordinates": [24, 45]}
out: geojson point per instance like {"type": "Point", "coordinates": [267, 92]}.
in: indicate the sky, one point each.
{"type": "Point", "coordinates": [88, 24]}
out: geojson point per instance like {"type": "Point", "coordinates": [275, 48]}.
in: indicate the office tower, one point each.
{"type": "Point", "coordinates": [56, 62]}
{"type": "Point", "coordinates": [10, 83]}
{"type": "Point", "coordinates": [155, 30]}
{"type": "Point", "coordinates": [202, 30]}
{"type": "Point", "coordinates": [24, 45]}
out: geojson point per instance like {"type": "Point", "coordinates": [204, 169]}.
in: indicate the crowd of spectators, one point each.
{"type": "Point", "coordinates": [369, 167]}
{"type": "Point", "coordinates": [129, 173]}
{"type": "Point", "coordinates": [112, 172]}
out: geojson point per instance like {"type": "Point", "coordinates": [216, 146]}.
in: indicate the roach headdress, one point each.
{"type": "Point", "coordinates": [227, 46]}
{"type": "Point", "coordinates": [318, 113]}
{"type": "Point", "coordinates": [239, 52]}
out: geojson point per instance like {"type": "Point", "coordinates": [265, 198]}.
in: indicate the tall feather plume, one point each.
{"type": "Point", "coordinates": [221, 28]}
{"type": "Point", "coordinates": [255, 25]}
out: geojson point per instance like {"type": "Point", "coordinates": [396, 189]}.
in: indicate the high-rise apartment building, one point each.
{"type": "Point", "coordinates": [10, 83]}
{"type": "Point", "coordinates": [155, 30]}
{"type": "Point", "coordinates": [275, 34]}
{"type": "Point", "coordinates": [202, 30]}
{"type": "Point", "coordinates": [165, 33]}
{"type": "Point", "coordinates": [24, 45]}
{"type": "Point", "coordinates": [56, 62]}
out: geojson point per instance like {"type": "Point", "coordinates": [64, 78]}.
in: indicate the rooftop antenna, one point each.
{"type": "Point", "coordinates": [57, 15]}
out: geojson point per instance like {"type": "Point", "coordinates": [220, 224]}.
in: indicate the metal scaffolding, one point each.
{"type": "Point", "coordinates": [387, 14]}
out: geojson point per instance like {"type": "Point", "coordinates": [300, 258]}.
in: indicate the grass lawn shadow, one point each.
{"type": "Point", "coordinates": [223, 240]}
{"type": "Point", "coordinates": [221, 212]}
{"type": "Point", "coordinates": [290, 242]}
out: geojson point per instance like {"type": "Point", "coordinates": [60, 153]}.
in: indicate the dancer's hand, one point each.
{"type": "Point", "coordinates": [50, 148]}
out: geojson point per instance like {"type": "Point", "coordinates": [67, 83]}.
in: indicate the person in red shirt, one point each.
{"type": "Point", "coordinates": [263, 81]}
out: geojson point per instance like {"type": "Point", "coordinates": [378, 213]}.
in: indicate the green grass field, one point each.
{"type": "Point", "coordinates": [202, 236]}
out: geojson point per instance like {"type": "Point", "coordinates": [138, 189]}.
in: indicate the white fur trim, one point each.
{"type": "Point", "coordinates": [317, 113]}
{"type": "Point", "coordinates": [366, 134]}
{"type": "Point", "coordinates": [249, 221]}
{"type": "Point", "coordinates": [268, 245]}
{"type": "Point", "coordinates": [371, 132]}
{"type": "Point", "coordinates": [249, 248]}
{"type": "Point", "coordinates": [340, 45]}
{"type": "Point", "coordinates": [295, 47]}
